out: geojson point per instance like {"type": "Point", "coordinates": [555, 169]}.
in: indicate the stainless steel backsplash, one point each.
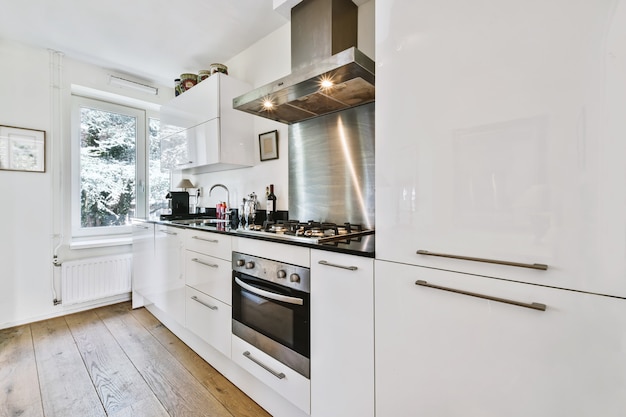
{"type": "Point", "coordinates": [331, 167]}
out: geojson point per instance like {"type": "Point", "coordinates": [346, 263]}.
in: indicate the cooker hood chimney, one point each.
{"type": "Point", "coordinates": [328, 72]}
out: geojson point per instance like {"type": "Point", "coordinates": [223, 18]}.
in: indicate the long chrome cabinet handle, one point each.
{"type": "Point", "coordinates": [205, 240]}
{"type": "Point", "coordinates": [542, 267]}
{"type": "Point", "coordinates": [534, 306]}
{"type": "Point", "coordinates": [142, 227]}
{"type": "Point", "coordinates": [184, 163]}
{"type": "Point", "coordinates": [196, 299]}
{"type": "Point", "coordinates": [204, 263]}
{"type": "Point", "coordinates": [264, 366]}
{"type": "Point", "coordinates": [351, 268]}
{"type": "Point", "coordinates": [269, 294]}
{"type": "Point", "coordinates": [167, 232]}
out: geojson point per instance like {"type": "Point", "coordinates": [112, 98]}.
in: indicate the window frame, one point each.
{"type": "Point", "coordinates": [141, 174]}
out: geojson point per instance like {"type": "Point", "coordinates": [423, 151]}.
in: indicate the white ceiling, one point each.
{"type": "Point", "coordinates": [155, 40]}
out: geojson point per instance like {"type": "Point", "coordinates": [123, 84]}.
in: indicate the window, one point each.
{"type": "Point", "coordinates": [111, 160]}
{"type": "Point", "coordinates": [159, 181]}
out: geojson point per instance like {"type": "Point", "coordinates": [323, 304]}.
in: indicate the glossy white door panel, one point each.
{"type": "Point", "coordinates": [295, 255]}
{"type": "Point", "coordinates": [200, 131]}
{"type": "Point", "coordinates": [143, 261]}
{"type": "Point", "coordinates": [500, 135]}
{"type": "Point", "coordinates": [276, 375]}
{"type": "Point", "coordinates": [210, 319]}
{"type": "Point", "coordinates": [213, 244]}
{"type": "Point", "coordinates": [209, 275]}
{"type": "Point", "coordinates": [195, 106]}
{"type": "Point", "coordinates": [167, 287]}
{"type": "Point", "coordinates": [342, 335]}
{"type": "Point", "coordinates": [445, 354]}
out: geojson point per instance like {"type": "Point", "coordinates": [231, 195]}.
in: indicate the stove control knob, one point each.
{"type": "Point", "coordinates": [241, 262]}
{"type": "Point", "coordinates": [249, 265]}
{"type": "Point", "coordinates": [294, 278]}
{"type": "Point", "coordinates": [281, 273]}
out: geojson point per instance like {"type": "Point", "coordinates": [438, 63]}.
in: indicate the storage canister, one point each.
{"type": "Point", "coordinates": [187, 81]}
{"type": "Point", "coordinates": [218, 68]}
{"type": "Point", "coordinates": [203, 75]}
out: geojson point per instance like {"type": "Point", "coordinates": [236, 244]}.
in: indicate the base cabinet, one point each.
{"type": "Point", "coordinates": [143, 260]}
{"type": "Point", "coordinates": [342, 335]}
{"type": "Point", "coordinates": [447, 354]}
{"type": "Point", "coordinates": [167, 286]}
{"type": "Point", "coordinates": [284, 380]}
{"type": "Point", "coordinates": [210, 319]}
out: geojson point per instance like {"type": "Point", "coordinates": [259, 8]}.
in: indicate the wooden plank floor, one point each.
{"type": "Point", "coordinates": [112, 361]}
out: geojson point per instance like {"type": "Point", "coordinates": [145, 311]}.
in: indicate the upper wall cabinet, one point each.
{"type": "Point", "coordinates": [502, 141]}
{"type": "Point", "coordinates": [200, 131]}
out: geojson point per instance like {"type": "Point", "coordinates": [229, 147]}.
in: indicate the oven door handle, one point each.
{"type": "Point", "coordinates": [269, 294]}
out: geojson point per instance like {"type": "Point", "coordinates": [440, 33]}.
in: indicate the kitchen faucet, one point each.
{"type": "Point", "coordinates": [227, 211]}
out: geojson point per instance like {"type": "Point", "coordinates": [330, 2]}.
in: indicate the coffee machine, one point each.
{"type": "Point", "coordinates": [179, 202]}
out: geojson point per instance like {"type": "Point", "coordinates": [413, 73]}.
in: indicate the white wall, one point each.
{"type": "Point", "coordinates": [26, 198]}
{"type": "Point", "coordinates": [34, 208]}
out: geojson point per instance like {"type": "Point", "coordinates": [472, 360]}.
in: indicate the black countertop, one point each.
{"type": "Point", "coordinates": [360, 246]}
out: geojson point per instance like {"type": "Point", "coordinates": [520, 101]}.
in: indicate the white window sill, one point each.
{"type": "Point", "coordinates": [101, 242]}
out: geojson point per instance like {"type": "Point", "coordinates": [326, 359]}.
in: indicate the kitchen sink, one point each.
{"type": "Point", "coordinates": [200, 222]}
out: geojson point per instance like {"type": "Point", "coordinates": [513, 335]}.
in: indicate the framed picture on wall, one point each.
{"type": "Point", "coordinates": [22, 149]}
{"type": "Point", "coordinates": [268, 145]}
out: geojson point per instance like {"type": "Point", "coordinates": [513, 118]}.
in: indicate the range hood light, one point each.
{"type": "Point", "coordinates": [326, 83]}
{"type": "Point", "coordinates": [268, 104]}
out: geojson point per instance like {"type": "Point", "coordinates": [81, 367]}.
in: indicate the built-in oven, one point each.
{"type": "Point", "coordinates": [271, 309]}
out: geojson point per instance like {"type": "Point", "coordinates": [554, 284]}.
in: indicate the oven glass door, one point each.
{"type": "Point", "coordinates": [280, 313]}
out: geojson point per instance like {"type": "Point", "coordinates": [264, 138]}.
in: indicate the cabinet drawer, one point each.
{"type": "Point", "coordinates": [213, 244]}
{"type": "Point", "coordinates": [285, 381]}
{"type": "Point", "coordinates": [295, 255]}
{"type": "Point", "coordinates": [210, 319]}
{"type": "Point", "coordinates": [209, 275]}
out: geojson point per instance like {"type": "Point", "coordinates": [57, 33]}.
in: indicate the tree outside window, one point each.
{"type": "Point", "coordinates": [107, 167]}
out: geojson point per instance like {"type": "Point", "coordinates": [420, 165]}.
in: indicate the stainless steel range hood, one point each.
{"type": "Point", "coordinates": [319, 29]}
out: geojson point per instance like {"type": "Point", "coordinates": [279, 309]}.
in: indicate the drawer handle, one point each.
{"type": "Point", "coordinates": [196, 299]}
{"type": "Point", "coordinates": [542, 267]}
{"type": "Point", "coordinates": [351, 268]}
{"type": "Point", "coordinates": [264, 366]}
{"type": "Point", "coordinates": [205, 240]}
{"type": "Point", "coordinates": [142, 227]}
{"type": "Point", "coordinates": [167, 232]}
{"type": "Point", "coordinates": [534, 306]}
{"type": "Point", "coordinates": [204, 263]}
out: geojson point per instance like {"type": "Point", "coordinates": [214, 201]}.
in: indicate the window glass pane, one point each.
{"type": "Point", "coordinates": [159, 180]}
{"type": "Point", "coordinates": [107, 167]}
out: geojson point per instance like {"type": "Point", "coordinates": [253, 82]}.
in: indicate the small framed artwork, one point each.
{"type": "Point", "coordinates": [22, 149]}
{"type": "Point", "coordinates": [268, 145]}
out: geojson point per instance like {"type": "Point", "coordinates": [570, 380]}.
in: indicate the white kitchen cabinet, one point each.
{"type": "Point", "coordinates": [213, 244]}
{"type": "Point", "coordinates": [278, 376]}
{"type": "Point", "coordinates": [295, 255]}
{"type": "Point", "coordinates": [210, 319]}
{"type": "Point", "coordinates": [446, 354]}
{"type": "Point", "coordinates": [208, 275]}
{"type": "Point", "coordinates": [503, 136]}
{"type": "Point", "coordinates": [143, 260]}
{"type": "Point", "coordinates": [201, 132]}
{"type": "Point", "coordinates": [342, 335]}
{"type": "Point", "coordinates": [167, 286]}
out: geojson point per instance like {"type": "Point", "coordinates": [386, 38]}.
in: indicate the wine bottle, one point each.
{"type": "Point", "coordinates": [270, 209]}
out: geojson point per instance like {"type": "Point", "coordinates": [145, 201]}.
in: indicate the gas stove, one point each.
{"type": "Point", "coordinates": [307, 232]}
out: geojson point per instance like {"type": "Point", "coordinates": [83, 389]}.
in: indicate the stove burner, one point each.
{"type": "Point", "coordinates": [313, 231]}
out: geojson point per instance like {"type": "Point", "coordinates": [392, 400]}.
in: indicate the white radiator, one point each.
{"type": "Point", "coordinates": [94, 278]}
